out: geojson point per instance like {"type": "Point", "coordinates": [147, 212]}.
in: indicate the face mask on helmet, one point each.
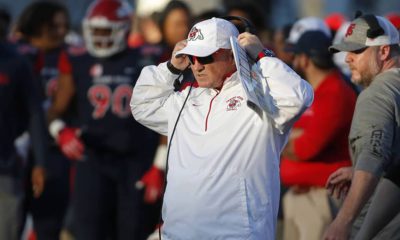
{"type": "Point", "coordinates": [106, 26]}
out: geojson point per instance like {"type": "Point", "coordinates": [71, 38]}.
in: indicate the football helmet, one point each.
{"type": "Point", "coordinates": [106, 26]}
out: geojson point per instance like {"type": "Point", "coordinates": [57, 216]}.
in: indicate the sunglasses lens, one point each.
{"type": "Point", "coordinates": [206, 60]}
{"type": "Point", "coordinates": [359, 50]}
{"type": "Point", "coordinates": [202, 60]}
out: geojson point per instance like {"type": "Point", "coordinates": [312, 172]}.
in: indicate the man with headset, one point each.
{"type": "Point", "coordinates": [372, 43]}
{"type": "Point", "coordinates": [223, 178]}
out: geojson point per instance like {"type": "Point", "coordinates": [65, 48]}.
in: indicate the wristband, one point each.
{"type": "Point", "coordinates": [160, 158]}
{"type": "Point", "coordinates": [172, 68]}
{"type": "Point", "coordinates": [55, 127]}
{"type": "Point", "coordinates": [265, 53]}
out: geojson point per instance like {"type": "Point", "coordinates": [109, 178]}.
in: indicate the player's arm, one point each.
{"type": "Point", "coordinates": [66, 137]}
{"type": "Point", "coordinates": [37, 127]}
{"type": "Point", "coordinates": [63, 97]}
{"type": "Point", "coordinates": [153, 179]}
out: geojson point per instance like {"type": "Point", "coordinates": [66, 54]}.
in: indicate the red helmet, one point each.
{"type": "Point", "coordinates": [106, 26]}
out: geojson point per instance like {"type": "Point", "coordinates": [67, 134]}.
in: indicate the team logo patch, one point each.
{"type": "Point", "coordinates": [195, 34]}
{"type": "Point", "coordinates": [350, 29]}
{"type": "Point", "coordinates": [234, 103]}
{"type": "Point", "coordinates": [96, 70]}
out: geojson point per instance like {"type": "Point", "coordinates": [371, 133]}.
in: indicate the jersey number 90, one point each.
{"type": "Point", "coordinates": [103, 98]}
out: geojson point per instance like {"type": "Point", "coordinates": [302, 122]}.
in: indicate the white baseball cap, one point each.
{"type": "Point", "coordinates": [356, 35]}
{"type": "Point", "coordinates": [208, 36]}
{"type": "Point", "coordinates": [307, 24]}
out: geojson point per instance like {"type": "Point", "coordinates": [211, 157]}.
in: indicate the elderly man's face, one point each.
{"type": "Point", "coordinates": [364, 65]}
{"type": "Point", "coordinates": [212, 75]}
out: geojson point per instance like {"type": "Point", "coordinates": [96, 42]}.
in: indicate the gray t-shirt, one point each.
{"type": "Point", "coordinates": [375, 137]}
{"type": "Point", "coordinates": [375, 130]}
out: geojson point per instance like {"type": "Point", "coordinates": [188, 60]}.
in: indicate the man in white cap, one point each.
{"type": "Point", "coordinates": [223, 169]}
{"type": "Point", "coordinates": [372, 43]}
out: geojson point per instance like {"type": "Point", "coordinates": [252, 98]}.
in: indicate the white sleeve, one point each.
{"type": "Point", "coordinates": [150, 96]}
{"type": "Point", "coordinates": [289, 95]}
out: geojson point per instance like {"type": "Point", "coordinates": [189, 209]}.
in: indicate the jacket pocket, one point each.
{"type": "Point", "coordinates": [198, 206]}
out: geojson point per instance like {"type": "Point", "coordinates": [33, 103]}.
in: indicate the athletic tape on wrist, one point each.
{"type": "Point", "coordinates": [55, 127]}
{"type": "Point", "coordinates": [160, 158]}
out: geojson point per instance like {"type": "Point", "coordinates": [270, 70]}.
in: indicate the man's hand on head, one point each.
{"type": "Point", "coordinates": [251, 43]}
{"type": "Point", "coordinates": [180, 62]}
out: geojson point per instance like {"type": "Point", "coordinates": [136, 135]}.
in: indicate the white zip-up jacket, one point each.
{"type": "Point", "coordinates": [223, 178]}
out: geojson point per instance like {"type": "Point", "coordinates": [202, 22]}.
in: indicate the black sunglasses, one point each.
{"type": "Point", "coordinates": [359, 50]}
{"type": "Point", "coordinates": [202, 60]}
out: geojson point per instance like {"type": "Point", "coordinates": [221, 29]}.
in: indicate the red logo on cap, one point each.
{"type": "Point", "coordinates": [195, 34]}
{"type": "Point", "coordinates": [350, 30]}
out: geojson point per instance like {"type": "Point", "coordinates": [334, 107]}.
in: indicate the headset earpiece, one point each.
{"type": "Point", "coordinates": [248, 26]}
{"type": "Point", "coordinates": [375, 30]}
{"type": "Point", "coordinates": [358, 14]}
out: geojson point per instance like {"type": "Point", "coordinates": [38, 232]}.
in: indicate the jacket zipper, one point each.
{"type": "Point", "coordinates": [209, 110]}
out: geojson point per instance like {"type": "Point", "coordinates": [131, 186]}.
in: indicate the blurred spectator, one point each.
{"type": "Point", "coordinates": [145, 31]}
{"type": "Point", "coordinates": [252, 12]}
{"type": "Point", "coordinates": [307, 24]}
{"type": "Point", "coordinates": [175, 23]}
{"type": "Point", "coordinates": [145, 27]}
{"type": "Point", "coordinates": [18, 103]}
{"type": "Point", "coordinates": [111, 150]}
{"type": "Point", "coordinates": [318, 143]}
{"type": "Point", "coordinates": [335, 21]}
{"type": "Point", "coordinates": [207, 15]}
{"type": "Point", "coordinates": [340, 57]}
{"type": "Point", "coordinates": [42, 26]}
{"type": "Point", "coordinates": [394, 18]}
{"type": "Point", "coordinates": [147, 8]}
{"type": "Point", "coordinates": [280, 37]}
{"type": "Point", "coordinates": [373, 53]}
{"type": "Point", "coordinates": [5, 20]}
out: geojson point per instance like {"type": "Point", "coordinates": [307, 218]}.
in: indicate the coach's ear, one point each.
{"type": "Point", "coordinates": [384, 52]}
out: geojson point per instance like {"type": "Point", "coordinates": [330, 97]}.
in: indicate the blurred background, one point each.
{"type": "Point", "coordinates": [276, 12]}
{"type": "Point", "coordinates": [157, 25]}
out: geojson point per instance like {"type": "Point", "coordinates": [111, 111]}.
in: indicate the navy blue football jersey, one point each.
{"type": "Point", "coordinates": [103, 93]}
{"type": "Point", "coordinates": [18, 101]}
{"type": "Point", "coordinates": [45, 74]}
{"type": "Point", "coordinates": [49, 75]}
